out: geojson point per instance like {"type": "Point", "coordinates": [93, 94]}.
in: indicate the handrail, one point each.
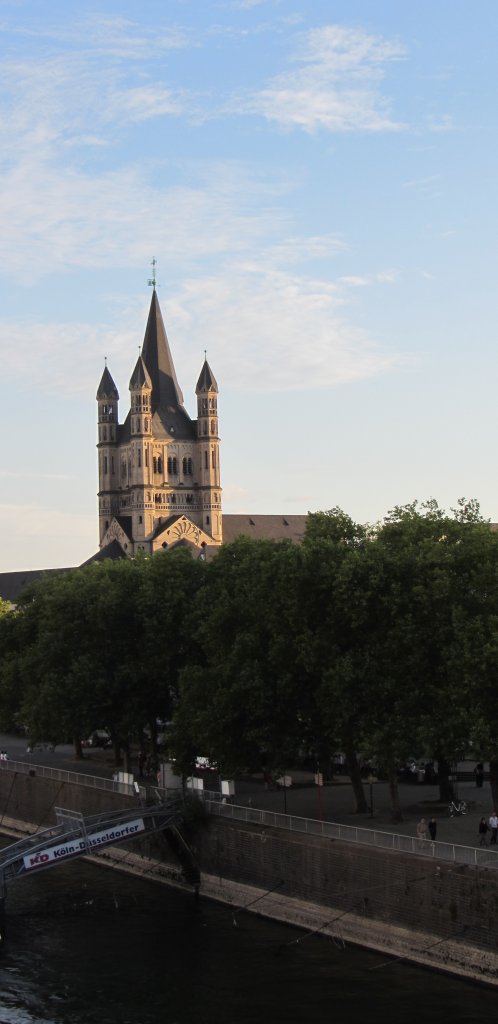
{"type": "Point", "coordinates": [61, 775]}
{"type": "Point", "coordinates": [396, 842]}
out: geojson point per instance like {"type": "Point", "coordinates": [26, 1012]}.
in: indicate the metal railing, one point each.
{"type": "Point", "coordinates": [75, 778]}
{"type": "Point", "coordinates": [478, 856]}
{"type": "Point", "coordinates": [217, 805]}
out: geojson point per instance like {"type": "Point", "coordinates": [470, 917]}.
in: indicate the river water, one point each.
{"type": "Point", "coordinates": [90, 944]}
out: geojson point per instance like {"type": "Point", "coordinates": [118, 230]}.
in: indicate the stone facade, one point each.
{"type": "Point", "coordinates": [159, 470]}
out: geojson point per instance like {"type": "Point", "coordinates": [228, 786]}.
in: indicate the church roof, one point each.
{"type": "Point", "coordinates": [170, 418]}
{"type": "Point", "coordinates": [290, 527]}
{"type": "Point", "coordinates": [206, 380]}
{"type": "Point", "coordinates": [107, 387]}
{"type": "Point", "coordinates": [140, 377]}
{"type": "Point", "coordinates": [112, 550]}
{"type": "Point", "coordinates": [12, 583]}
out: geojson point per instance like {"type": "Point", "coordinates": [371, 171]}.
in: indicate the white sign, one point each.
{"type": "Point", "coordinates": [79, 845]}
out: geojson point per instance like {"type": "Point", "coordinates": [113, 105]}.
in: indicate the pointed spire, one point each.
{"type": "Point", "coordinates": [157, 358]}
{"type": "Point", "coordinates": [107, 387]}
{"type": "Point", "coordinates": [207, 381]}
{"type": "Point", "coordinates": [140, 377]}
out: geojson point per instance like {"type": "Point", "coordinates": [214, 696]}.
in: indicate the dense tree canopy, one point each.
{"type": "Point", "coordinates": [378, 641]}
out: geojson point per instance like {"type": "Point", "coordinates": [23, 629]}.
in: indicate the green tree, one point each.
{"type": "Point", "coordinates": [242, 700]}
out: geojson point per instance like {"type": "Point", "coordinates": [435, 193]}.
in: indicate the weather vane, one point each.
{"type": "Point", "coordinates": [152, 280]}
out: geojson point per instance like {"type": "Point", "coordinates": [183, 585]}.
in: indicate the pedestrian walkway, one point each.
{"type": "Point", "coordinates": [334, 802]}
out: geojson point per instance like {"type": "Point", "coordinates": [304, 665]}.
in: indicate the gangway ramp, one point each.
{"type": "Point", "coordinates": [75, 835]}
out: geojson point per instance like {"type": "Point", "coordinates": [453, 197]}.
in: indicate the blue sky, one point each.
{"type": "Point", "coordinates": [317, 183]}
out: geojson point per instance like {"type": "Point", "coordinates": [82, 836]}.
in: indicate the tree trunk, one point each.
{"type": "Point", "coordinates": [78, 749]}
{"type": "Point", "coordinates": [126, 756]}
{"type": "Point", "coordinates": [394, 794]}
{"type": "Point", "coordinates": [153, 737]}
{"type": "Point", "coordinates": [445, 785]}
{"type": "Point", "coordinates": [361, 806]}
{"type": "Point", "coordinates": [493, 782]}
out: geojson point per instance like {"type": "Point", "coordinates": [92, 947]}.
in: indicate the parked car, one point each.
{"type": "Point", "coordinates": [98, 738]}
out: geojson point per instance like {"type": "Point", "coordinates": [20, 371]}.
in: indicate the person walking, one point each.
{"type": "Point", "coordinates": [483, 832]}
{"type": "Point", "coordinates": [479, 774]}
{"type": "Point", "coordinates": [493, 825]}
{"type": "Point", "coordinates": [422, 833]}
{"type": "Point", "coordinates": [433, 829]}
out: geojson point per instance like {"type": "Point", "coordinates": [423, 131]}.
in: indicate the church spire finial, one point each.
{"type": "Point", "coordinates": [152, 280]}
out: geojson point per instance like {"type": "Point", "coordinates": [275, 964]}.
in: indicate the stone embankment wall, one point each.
{"type": "Point", "coordinates": [438, 914]}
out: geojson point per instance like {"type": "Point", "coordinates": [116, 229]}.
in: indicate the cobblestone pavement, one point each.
{"type": "Point", "coordinates": [333, 803]}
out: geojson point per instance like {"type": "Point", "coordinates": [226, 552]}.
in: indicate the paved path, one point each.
{"type": "Point", "coordinates": [301, 799]}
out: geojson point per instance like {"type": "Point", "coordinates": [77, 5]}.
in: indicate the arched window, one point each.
{"type": "Point", "coordinates": [139, 458]}
{"type": "Point", "coordinates": [159, 464]}
{"type": "Point", "coordinates": [213, 459]}
{"type": "Point", "coordinates": [213, 427]}
{"type": "Point", "coordinates": [154, 464]}
{"type": "Point", "coordinates": [206, 460]}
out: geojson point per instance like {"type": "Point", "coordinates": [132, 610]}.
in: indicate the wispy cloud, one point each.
{"type": "Point", "coordinates": [334, 84]}
{"type": "Point", "coordinates": [272, 330]}
{"type": "Point", "coordinates": [266, 328]}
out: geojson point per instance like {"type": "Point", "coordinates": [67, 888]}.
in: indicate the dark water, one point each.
{"type": "Point", "coordinates": [89, 944]}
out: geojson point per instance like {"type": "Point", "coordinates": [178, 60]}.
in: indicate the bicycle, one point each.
{"type": "Point", "coordinates": [455, 809]}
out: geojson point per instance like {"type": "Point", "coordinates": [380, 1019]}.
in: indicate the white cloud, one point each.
{"type": "Point", "coordinates": [56, 218]}
{"type": "Point", "coordinates": [335, 86]}
{"type": "Point", "coordinates": [271, 330]}
{"type": "Point", "coordinates": [265, 328]}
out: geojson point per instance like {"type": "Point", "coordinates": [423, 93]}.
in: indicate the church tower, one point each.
{"type": "Point", "coordinates": [209, 450]}
{"type": "Point", "coordinates": [107, 399]}
{"type": "Point", "coordinates": [159, 473]}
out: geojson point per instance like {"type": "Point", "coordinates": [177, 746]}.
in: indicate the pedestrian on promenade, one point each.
{"type": "Point", "coordinates": [433, 829]}
{"type": "Point", "coordinates": [422, 833]}
{"type": "Point", "coordinates": [479, 774]}
{"type": "Point", "coordinates": [483, 831]}
{"type": "Point", "coordinates": [493, 824]}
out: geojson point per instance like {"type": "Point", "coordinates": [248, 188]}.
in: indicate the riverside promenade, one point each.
{"type": "Point", "coordinates": [333, 803]}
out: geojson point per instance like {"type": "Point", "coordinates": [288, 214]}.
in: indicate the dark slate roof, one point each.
{"type": "Point", "coordinates": [170, 418]}
{"type": "Point", "coordinates": [161, 527]}
{"type": "Point", "coordinates": [112, 550]}
{"type": "Point", "coordinates": [206, 380]}
{"type": "Point", "coordinates": [259, 527]}
{"type": "Point", "coordinates": [12, 583]}
{"type": "Point", "coordinates": [263, 527]}
{"type": "Point", "coordinates": [140, 377]}
{"type": "Point", "coordinates": [107, 387]}
{"type": "Point", "coordinates": [126, 524]}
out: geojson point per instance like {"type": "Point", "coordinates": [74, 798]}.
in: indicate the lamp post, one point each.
{"type": "Point", "coordinates": [319, 784]}
{"type": "Point", "coordinates": [371, 781]}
